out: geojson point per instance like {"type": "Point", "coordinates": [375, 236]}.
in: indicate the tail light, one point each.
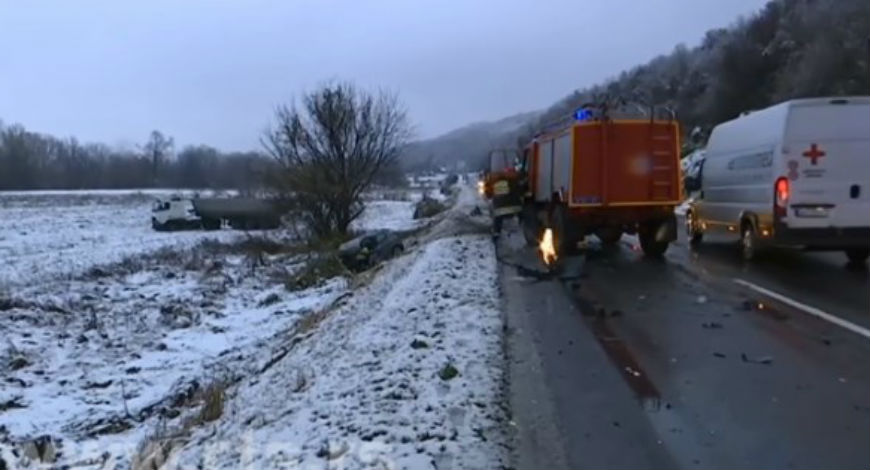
{"type": "Point", "coordinates": [781, 193]}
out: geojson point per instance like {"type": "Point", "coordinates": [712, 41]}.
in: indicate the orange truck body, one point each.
{"type": "Point", "coordinates": [605, 176]}
{"type": "Point", "coordinates": [613, 164]}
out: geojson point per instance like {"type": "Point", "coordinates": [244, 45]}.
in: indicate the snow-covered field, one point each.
{"type": "Point", "coordinates": [50, 234]}
{"type": "Point", "coordinates": [96, 362]}
{"type": "Point", "coordinates": [399, 367]}
{"type": "Point", "coordinates": [393, 215]}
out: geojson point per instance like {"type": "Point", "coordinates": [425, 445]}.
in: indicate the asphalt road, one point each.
{"type": "Point", "coordinates": [628, 362]}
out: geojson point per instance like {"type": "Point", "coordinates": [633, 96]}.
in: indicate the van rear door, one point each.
{"type": "Point", "coordinates": [826, 157]}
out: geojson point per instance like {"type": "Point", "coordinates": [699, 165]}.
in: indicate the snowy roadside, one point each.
{"type": "Point", "coordinates": [98, 363]}
{"type": "Point", "coordinates": [406, 373]}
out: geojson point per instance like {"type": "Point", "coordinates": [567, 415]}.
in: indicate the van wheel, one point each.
{"type": "Point", "coordinates": [857, 255]}
{"type": "Point", "coordinates": [748, 242]}
{"type": "Point", "coordinates": [695, 236]}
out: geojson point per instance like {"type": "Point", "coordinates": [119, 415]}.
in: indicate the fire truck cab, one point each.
{"type": "Point", "coordinates": [501, 185]}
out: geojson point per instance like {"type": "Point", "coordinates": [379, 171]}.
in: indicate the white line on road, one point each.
{"type": "Point", "coordinates": [806, 308]}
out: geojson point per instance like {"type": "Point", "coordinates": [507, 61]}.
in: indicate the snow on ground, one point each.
{"type": "Point", "coordinates": [396, 213]}
{"type": "Point", "coordinates": [393, 215]}
{"type": "Point", "coordinates": [101, 362]}
{"type": "Point", "coordinates": [102, 192]}
{"type": "Point", "coordinates": [63, 234]}
{"type": "Point", "coordinates": [94, 362]}
{"type": "Point", "coordinates": [372, 388]}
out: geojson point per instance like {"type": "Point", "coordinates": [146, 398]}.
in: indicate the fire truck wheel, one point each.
{"type": "Point", "coordinates": [652, 247]}
{"type": "Point", "coordinates": [532, 230]}
{"type": "Point", "coordinates": [496, 224]}
{"type": "Point", "coordinates": [564, 232]}
{"type": "Point", "coordinates": [609, 235]}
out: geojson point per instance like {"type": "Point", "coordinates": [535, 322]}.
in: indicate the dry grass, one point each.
{"type": "Point", "coordinates": [309, 322]}
{"type": "Point", "coordinates": [200, 257]}
{"type": "Point", "coordinates": [315, 271]}
{"type": "Point", "coordinates": [157, 449]}
{"type": "Point", "coordinates": [213, 397]}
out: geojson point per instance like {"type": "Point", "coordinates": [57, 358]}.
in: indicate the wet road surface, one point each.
{"type": "Point", "coordinates": [636, 363]}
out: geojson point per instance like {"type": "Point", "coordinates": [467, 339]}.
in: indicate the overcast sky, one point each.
{"type": "Point", "coordinates": [212, 71]}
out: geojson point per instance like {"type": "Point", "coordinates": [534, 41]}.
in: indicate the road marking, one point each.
{"type": "Point", "coordinates": [806, 308]}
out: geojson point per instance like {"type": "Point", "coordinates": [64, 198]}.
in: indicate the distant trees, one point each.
{"type": "Point", "coordinates": [330, 147]}
{"type": "Point", "coordinates": [29, 160]}
{"type": "Point", "coordinates": [158, 148]}
{"type": "Point", "coordinates": [790, 49]}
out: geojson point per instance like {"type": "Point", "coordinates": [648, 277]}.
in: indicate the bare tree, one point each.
{"type": "Point", "coordinates": [157, 149]}
{"type": "Point", "coordinates": [331, 148]}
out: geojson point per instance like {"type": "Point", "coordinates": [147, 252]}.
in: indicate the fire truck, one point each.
{"type": "Point", "coordinates": [607, 170]}
{"type": "Point", "coordinates": [501, 185]}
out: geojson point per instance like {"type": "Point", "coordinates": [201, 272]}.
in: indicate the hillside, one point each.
{"type": "Point", "coordinates": [470, 143]}
{"type": "Point", "coordinates": [789, 49]}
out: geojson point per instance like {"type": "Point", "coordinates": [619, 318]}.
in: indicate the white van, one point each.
{"type": "Point", "coordinates": [797, 173]}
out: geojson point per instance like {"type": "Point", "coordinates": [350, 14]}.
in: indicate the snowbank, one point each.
{"type": "Point", "coordinates": [372, 387]}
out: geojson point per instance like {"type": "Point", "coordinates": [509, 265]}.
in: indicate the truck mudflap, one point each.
{"type": "Point", "coordinates": [669, 228]}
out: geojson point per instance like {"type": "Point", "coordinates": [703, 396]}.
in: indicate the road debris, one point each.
{"type": "Point", "coordinates": [756, 360]}
{"type": "Point", "coordinates": [711, 325]}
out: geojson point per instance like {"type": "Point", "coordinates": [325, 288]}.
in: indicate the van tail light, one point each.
{"type": "Point", "coordinates": [781, 194]}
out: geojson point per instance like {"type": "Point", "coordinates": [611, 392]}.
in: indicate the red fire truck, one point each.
{"type": "Point", "coordinates": [606, 171]}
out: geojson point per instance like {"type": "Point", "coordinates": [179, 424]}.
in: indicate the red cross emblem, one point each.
{"type": "Point", "coordinates": [814, 154]}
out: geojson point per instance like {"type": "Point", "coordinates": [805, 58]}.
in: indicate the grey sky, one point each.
{"type": "Point", "coordinates": [212, 71]}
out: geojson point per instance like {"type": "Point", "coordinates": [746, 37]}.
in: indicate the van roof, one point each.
{"type": "Point", "coordinates": [765, 126]}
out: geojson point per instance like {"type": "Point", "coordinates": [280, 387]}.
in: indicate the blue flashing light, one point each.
{"type": "Point", "coordinates": [583, 114]}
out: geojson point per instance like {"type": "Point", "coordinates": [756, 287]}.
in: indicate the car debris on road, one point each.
{"type": "Point", "coordinates": [756, 360]}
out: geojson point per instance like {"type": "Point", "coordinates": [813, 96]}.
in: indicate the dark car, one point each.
{"type": "Point", "coordinates": [449, 183]}
{"type": "Point", "coordinates": [370, 249]}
